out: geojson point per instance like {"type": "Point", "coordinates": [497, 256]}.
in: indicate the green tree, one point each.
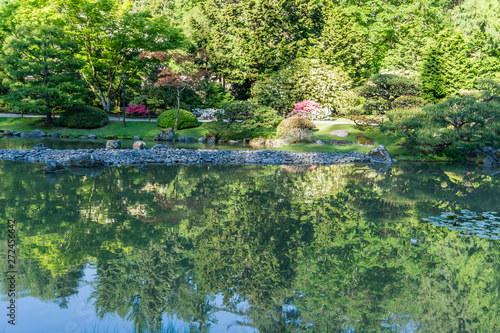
{"type": "Point", "coordinates": [41, 61]}
{"type": "Point", "coordinates": [344, 43]}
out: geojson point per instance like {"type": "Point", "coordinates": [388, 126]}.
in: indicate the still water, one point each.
{"type": "Point", "coordinates": [249, 249]}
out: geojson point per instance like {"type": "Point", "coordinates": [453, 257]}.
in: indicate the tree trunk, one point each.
{"type": "Point", "coordinates": [178, 108]}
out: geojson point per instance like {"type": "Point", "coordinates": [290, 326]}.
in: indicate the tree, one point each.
{"type": "Point", "coordinates": [41, 61]}
{"type": "Point", "coordinates": [181, 72]}
{"type": "Point", "coordinates": [111, 37]}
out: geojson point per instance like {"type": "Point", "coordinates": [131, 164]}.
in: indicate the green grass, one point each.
{"type": "Point", "coordinates": [140, 128]}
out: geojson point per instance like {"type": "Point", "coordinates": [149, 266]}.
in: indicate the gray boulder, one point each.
{"type": "Point", "coordinates": [52, 166]}
{"type": "Point", "coordinates": [8, 132]}
{"type": "Point", "coordinates": [210, 139]}
{"type": "Point", "coordinates": [341, 133]}
{"type": "Point", "coordinates": [320, 142]}
{"type": "Point", "coordinates": [166, 134]}
{"type": "Point", "coordinates": [113, 144]}
{"type": "Point", "coordinates": [40, 146]}
{"type": "Point", "coordinates": [36, 132]}
{"type": "Point", "coordinates": [181, 138]}
{"type": "Point", "coordinates": [136, 138]}
{"type": "Point", "coordinates": [233, 142]}
{"type": "Point", "coordinates": [18, 133]}
{"type": "Point", "coordinates": [379, 155]}
{"type": "Point", "coordinates": [200, 140]}
{"type": "Point", "coordinates": [86, 161]}
{"type": "Point", "coordinates": [55, 135]}
{"type": "Point", "coordinates": [139, 145]}
{"type": "Point", "coordinates": [92, 137]}
{"type": "Point", "coordinates": [190, 139]}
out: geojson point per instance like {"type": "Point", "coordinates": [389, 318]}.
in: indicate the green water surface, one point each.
{"type": "Point", "coordinates": [248, 249]}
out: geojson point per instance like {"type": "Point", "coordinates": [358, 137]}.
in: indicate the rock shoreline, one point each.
{"type": "Point", "coordinates": [159, 155]}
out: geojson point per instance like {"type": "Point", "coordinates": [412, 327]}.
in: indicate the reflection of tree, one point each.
{"type": "Point", "coordinates": [336, 242]}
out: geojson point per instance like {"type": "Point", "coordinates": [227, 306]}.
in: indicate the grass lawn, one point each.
{"type": "Point", "coordinates": [142, 129]}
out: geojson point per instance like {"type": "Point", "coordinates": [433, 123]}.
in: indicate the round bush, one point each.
{"type": "Point", "coordinates": [83, 116]}
{"type": "Point", "coordinates": [293, 123]}
{"type": "Point", "coordinates": [186, 119]}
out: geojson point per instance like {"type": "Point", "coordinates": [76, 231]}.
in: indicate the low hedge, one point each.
{"type": "Point", "coordinates": [186, 119]}
{"type": "Point", "coordinates": [83, 116]}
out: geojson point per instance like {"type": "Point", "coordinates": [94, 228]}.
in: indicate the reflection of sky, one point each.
{"type": "Point", "coordinates": [35, 316]}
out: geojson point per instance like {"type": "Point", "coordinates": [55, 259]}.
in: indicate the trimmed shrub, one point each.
{"type": "Point", "coordinates": [408, 102]}
{"type": "Point", "coordinates": [293, 123]}
{"type": "Point", "coordinates": [297, 135]}
{"type": "Point", "coordinates": [186, 119]}
{"type": "Point", "coordinates": [83, 116]}
{"type": "Point", "coordinates": [248, 114]}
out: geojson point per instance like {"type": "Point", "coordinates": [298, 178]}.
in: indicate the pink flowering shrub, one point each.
{"type": "Point", "coordinates": [137, 110]}
{"type": "Point", "coordinates": [304, 109]}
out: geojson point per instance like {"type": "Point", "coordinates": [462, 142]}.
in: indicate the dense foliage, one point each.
{"type": "Point", "coordinates": [83, 116]}
{"type": "Point", "coordinates": [168, 119]}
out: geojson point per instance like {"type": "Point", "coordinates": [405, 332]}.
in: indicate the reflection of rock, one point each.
{"type": "Point", "coordinates": [363, 141]}
{"type": "Point", "coordinates": [380, 155]}
{"type": "Point", "coordinates": [40, 146]}
{"type": "Point", "coordinates": [53, 166]}
{"type": "Point", "coordinates": [487, 157]}
{"type": "Point", "coordinates": [113, 144]}
{"type": "Point", "coordinates": [86, 161]}
{"type": "Point", "coordinates": [166, 134]}
{"type": "Point", "coordinates": [89, 172]}
{"type": "Point", "coordinates": [341, 133]}
{"type": "Point", "coordinates": [92, 137]}
{"type": "Point", "coordinates": [53, 177]}
{"type": "Point", "coordinates": [139, 145]}
{"type": "Point", "coordinates": [380, 168]}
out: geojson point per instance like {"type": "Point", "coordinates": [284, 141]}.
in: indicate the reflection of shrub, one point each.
{"type": "Point", "coordinates": [297, 135]}
{"type": "Point", "coordinates": [293, 123]}
{"type": "Point", "coordinates": [167, 119]}
{"type": "Point", "coordinates": [83, 116]}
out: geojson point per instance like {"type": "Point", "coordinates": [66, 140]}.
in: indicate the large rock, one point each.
{"type": "Point", "coordinates": [113, 144]}
{"type": "Point", "coordinates": [379, 155]}
{"type": "Point", "coordinates": [36, 132]}
{"type": "Point", "coordinates": [190, 139]}
{"type": "Point", "coordinates": [53, 166]}
{"type": "Point", "coordinates": [363, 141]}
{"type": "Point", "coordinates": [341, 133]}
{"type": "Point", "coordinates": [92, 136]}
{"type": "Point", "coordinates": [86, 161]}
{"type": "Point", "coordinates": [8, 132]}
{"type": "Point", "coordinates": [136, 138]}
{"type": "Point", "coordinates": [139, 145]}
{"type": "Point", "coordinates": [166, 134]}
{"type": "Point", "coordinates": [55, 135]}
{"type": "Point", "coordinates": [259, 141]}
{"type": "Point", "coordinates": [181, 138]}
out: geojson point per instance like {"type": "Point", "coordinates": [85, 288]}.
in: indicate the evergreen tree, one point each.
{"type": "Point", "coordinates": [45, 73]}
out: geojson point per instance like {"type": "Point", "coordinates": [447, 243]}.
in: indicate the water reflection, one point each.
{"type": "Point", "coordinates": [246, 249]}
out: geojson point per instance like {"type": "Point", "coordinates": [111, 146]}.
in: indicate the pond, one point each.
{"type": "Point", "coordinates": [249, 249]}
{"type": "Point", "coordinates": [7, 142]}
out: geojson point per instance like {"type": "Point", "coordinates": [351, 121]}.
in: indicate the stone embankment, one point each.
{"type": "Point", "coordinates": [162, 155]}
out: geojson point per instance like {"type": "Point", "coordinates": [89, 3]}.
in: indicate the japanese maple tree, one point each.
{"type": "Point", "coordinates": [180, 71]}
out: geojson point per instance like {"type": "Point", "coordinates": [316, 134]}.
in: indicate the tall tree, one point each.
{"type": "Point", "coordinates": [44, 70]}
{"type": "Point", "coordinates": [112, 36]}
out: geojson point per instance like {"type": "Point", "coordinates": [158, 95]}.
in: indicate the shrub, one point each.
{"type": "Point", "coordinates": [445, 127]}
{"type": "Point", "coordinates": [248, 114]}
{"type": "Point", "coordinates": [297, 135]}
{"type": "Point", "coordinates": [137, 110]}
{"type": "Point", "coordinates": [293, 123]}
{"type": "Point", "coordinates": [381, 91]}
{"type": "Point", "coordinates": [83, 116]}
{"type": "Point", "coordinates": [167, 119]}
{"type": "Point", "coordinates": [305, 79]}
{"type": "Point", "coordinates": [408, 102]}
